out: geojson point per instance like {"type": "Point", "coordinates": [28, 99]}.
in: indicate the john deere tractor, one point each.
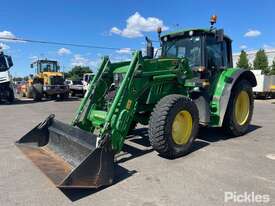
{"type": "Point", "coordinates": [48, 81]}
{"type": "Point", "coordinates": [192, 83]}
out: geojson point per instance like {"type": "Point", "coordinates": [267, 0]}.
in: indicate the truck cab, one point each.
{"type": "Point", "coordinates": [6, 86]}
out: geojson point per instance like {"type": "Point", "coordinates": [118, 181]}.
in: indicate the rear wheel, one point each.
{"type": "Point", "coordinates": [11, 96]}
{"type": "Point", "coordinates": [64, 95]}
{"type": "Point", "coordinates": [240, 109]}
{"type": "Point", "coordinates": [37, 92]}
{"type": "Point", "coordinates": [29, 92]}
{"type": "Point", "coordinates": [173, 126]}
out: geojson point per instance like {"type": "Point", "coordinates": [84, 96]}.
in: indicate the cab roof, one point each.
{"type": "Point", "coordinates": [45, 61]}
{"type": "Point", "coordinates": [182, 32]}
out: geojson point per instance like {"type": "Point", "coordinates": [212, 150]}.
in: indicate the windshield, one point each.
{"type": "Point", "coordinates": [3, 63]}
{"type": "Point", "coordinates": [88, 77]}
{"type": "Point", "coordinates": [189, 47]}
{"type": "Point", "coordinates": [48, 67]}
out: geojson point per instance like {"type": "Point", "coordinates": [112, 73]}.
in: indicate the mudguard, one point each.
{"type": "Point", "coordinates": [222, 92]}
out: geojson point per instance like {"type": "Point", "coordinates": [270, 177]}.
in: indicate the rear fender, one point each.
{"type": "Point", "coordinates": [222, 92]}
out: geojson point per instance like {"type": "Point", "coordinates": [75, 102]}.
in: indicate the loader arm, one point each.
{"type": "Point", "coordinates": [119, 114]}
{"type": "Point", "coordinates": [86, 103]}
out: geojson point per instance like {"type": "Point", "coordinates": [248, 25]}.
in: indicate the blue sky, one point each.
{"type": "Point", "coordinates": [122, 24]}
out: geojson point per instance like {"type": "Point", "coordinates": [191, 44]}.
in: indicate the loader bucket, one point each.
{"type": "Point", "coordinates": [68, 155]}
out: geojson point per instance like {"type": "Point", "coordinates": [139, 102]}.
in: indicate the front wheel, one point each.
{"type": "Point", "coordinates": [64, 95]}
{"type": "Point", "coordinates": [11, 96]}
{"type": "Point", "coordinates": [173, 126]}
{"type": "Point", "coordinates": [240, 109]}
{"type": "Point", "coordinates": [37, 92]}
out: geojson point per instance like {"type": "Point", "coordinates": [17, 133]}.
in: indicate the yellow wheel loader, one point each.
{"type": "Point", "coordinates": [48, 81]}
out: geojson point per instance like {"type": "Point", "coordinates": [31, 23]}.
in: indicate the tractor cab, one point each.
{"type": "Point", "coordinates": [42, 66]}
{"type": "Point", "coordinates": [204, 49]}
{"type": "Point", "coordinates": [48, 72]}
{"type": "Point", "coordinates": [47, 82]}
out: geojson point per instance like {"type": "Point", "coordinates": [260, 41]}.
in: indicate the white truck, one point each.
{"type": "Point", "coordinates": [6, 85]}
{"type": "Point", "coordinates": [76, 87]}
{"type": "Point", "coordinates": [265, 85]}
{"type": "Point", "coordinates": [86, 79]}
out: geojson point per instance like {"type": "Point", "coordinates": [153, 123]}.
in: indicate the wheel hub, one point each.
{"type": "Point", "coordinates": [182, 127]}
{"type": "Point", "coordinates": [242, 107]}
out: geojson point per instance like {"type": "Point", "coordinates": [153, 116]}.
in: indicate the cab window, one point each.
{"type": "Point", "coordinates": [188, 47]}
{"type": "Point", "coordinates": [216, 54]}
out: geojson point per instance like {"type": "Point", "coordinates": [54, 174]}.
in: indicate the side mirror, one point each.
{"type": "Point", "coordinates": [9, 60]}
{"type": "Point", "coordinates": [219, 35]}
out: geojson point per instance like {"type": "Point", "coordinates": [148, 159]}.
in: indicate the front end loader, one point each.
{"type": "Point", "coordinates": [192, 83]}
{"type": "Point", "coordinates": [47, 82]}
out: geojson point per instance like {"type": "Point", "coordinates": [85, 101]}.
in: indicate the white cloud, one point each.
{"type": "Point", "coordinates": [137, 24]}
{"type": "Point", "coordinates": [6, 34]}
{"type": "Point", "coordinates": [79, 60]}
{"type": "Point", "coordinates": [95, 63]}
{"type": "Point", "coordinates": [252, 33]}
{"type": "Point", "coordinates": [124, 51]}
{"type": "Point", "coordinates": [33, 58]}
{"type": "Point", "coordinates": [63, 51]}
{"type": "Point", "coordinates": [267, 46]}
{"type": "Point", "coordinates": [115, 30]}
{"type": "Point", "coordinates": [4, 46]}
{"type": "Point", "coordinates": [243, 46]}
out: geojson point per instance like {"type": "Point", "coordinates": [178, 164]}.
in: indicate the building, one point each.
{"type": "Point", "coordinates": [251, 56]}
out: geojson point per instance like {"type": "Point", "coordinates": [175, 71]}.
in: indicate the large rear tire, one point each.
{"type": "Point", "coordinates": [240, 109]}
{"type": "Point", "coordinates": [64, 95]}
{"type": "Point", "coordinates": [11, 96]}
{"type": "Point", "coordinates": [37, 92]}
{"type": "Point", "coordinates": [173, 125]}
{"type": "Point", "coordinates": [29, 92]}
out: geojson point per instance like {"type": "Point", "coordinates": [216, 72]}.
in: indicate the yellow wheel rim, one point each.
{"type": "Point", "coordinates": [182, 127]}
{"type": "Point", "coordinates": [242, 107]}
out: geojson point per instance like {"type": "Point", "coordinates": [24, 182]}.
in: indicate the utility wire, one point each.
{"type": "Point", "coordinates": [60, 43]}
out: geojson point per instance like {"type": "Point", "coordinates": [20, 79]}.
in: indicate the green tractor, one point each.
{"type": "Point", "coordinates": [192, 83]}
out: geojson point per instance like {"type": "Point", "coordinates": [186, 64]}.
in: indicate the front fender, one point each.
{"type": "Point", "coordinates": [222, 92]}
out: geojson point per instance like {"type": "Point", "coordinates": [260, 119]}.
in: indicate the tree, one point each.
{"type": "Point", "coordinates": [261, 61]}
{"type": "Point", "coordinates": [20, 78]}
{"type": "Point", "coordinates": [243, 61]}
{"type": "Point", "coordinates": [76, 73]}
{"type": "Point", "coordinates": [272, 70]}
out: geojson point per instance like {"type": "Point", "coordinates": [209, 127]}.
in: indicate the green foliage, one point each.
{"type": "Point", "coordinates": [76, 73]}
{"type": "Point", "coordinates": [261, 61]}
{"type": "Point", "coordinates": [272, 70]}
{"type": "Point", "coordinates": [20, 78]}
{"type": "Point", "coordinates": [243, 61]}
